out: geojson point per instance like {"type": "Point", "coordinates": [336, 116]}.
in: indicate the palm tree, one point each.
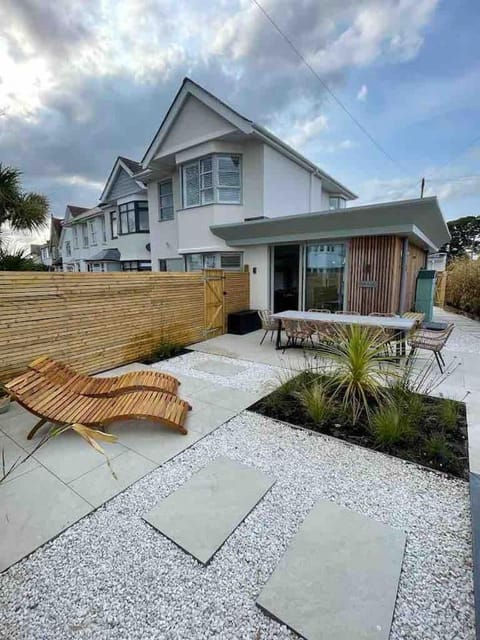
{"type": "Point", "coordinates": [22, 211]}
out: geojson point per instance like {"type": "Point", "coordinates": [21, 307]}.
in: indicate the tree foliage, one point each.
{"type": "Point", "coordinates": [465, 240]}
{"type": "Point", "coordinates": [22, 211]}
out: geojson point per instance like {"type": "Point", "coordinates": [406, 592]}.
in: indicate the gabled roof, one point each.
{"type": "Point", "coordinates": [191, 88]}
{"type": "Point", "coordinates": [419, 219]}
{"type": "Point", "coordinates": [57, 224]}
{"type": "Point", "coordinates": [76, 211]}
{"type": "Point", "coordinates": [130, 167]}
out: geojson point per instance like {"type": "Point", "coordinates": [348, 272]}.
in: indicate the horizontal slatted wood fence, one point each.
{"type": "Point", "coordinates": [97, 321]}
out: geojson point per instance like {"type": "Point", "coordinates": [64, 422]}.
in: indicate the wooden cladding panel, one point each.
{"type": "Point", "coordinates": [415, 262]}
{"type": "Point", "coordinates": [374, 268]}
{"type": "Point", "coordinates": [99, 321]}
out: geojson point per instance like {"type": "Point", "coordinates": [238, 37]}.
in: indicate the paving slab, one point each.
{"type": "Point", "coordinates": [219, 368]}
{"type": "Point", "coordinates": [12, 454]}
{"type": "Point", "coordinates": [226, 397]}
{"type": "Point", "coordinates": [35, 507]}
{"type": "Point", "coordinates": [68, 456]}
{"type": "Point", "coordinates": [204, 512]}
{"type": "Point", "coordinates": [338, 579]}
{"type": "Point", "coordinates": [99, 485]}
{"type": "Point", "coordinates": [17, 425]}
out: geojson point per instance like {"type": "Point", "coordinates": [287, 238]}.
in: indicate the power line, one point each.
{"type": "Point", "coordinates": [453, 178]}
{"type": "Point", "coordinates": [329, 91]}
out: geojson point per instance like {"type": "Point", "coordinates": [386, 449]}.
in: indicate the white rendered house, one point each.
{"type": "Point", "coordinates": [113, 236]}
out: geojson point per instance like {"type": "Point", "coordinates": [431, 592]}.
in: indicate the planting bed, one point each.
{"type": "Point", "coordinates": [437, 431]}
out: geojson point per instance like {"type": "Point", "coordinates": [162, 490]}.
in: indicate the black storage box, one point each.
{"type": "Point", "coordinates": [242, 322]}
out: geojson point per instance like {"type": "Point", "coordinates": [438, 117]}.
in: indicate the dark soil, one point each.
{"type": "Point", "coordinates": [158, 357]}
{"type": "Point", "coordinates": [281, 404]}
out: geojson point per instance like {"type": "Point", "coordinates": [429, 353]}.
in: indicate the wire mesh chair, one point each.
{"type": "Point", "coordinates": [430, 341]}
{"type": "Point", "coordinates": [297, 330]}
{"type": "Point", "coordinates": [268, 323]}
{"type": "Point", "coordinates": [321, 330]}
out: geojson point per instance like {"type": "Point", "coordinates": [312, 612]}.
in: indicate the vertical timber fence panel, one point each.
{"type": "Point", "coordinates": [97, 321]}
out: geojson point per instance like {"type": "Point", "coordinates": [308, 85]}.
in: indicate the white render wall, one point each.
{"type": "Point", "coordinates": [258, 259]}
{"type": "Point", "coordinates": [288, 188]}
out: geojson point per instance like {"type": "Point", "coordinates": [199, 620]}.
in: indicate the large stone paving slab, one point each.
{"type": "Point", "coordinates": [338, 579]}
{"type": "Point", "coordinates": [201, 514]}
{"type": "Point", "coordinates": [35, 507]}
{"type": "Point", "coordinates": [219, 368]}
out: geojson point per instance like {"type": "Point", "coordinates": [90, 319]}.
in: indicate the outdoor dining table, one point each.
{"type": "Point", "coordinates": [400, 325]}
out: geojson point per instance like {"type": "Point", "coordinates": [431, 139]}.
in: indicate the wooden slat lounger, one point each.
{"type": "Point", "coordinates": [60, 405]}
{"type": "Point", "coordinates": [61, 374]}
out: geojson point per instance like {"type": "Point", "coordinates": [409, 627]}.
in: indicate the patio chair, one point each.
{"type": "Point", "coordinates": [347, 313]}
{"type": "Point", "coordinates": [430, 341]}
{"type": "Point", "coordinates": [268, 324]}
{"type": "Point", "coordinates": [297, 330]}
{"type": "Point", "coordinates": [321, 330]}
{"type": "Point", "coordinates": [61, 374]}
{"type": "Point", "coordinates": [390, 334]}
{"type": "Point", "coordinates": [62, 406]}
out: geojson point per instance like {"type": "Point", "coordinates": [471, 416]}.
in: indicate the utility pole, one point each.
{"type": "Point", "coordinates": [423, 187]}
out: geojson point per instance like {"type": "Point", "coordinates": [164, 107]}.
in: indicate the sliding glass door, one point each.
{"type": "Point", "coordinates": [324, 276]}
{"type": "Point", "coordinates": [286, 277]}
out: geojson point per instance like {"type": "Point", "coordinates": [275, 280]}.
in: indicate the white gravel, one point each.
{"type": "Point", "coordinates": [111, 576]}
{"type": "Point", "coordinates": [251, 376]}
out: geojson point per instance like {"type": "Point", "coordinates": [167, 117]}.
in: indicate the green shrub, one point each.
{"type": "Point", "coordinates": [314, 399]}
{"type": "Point", "coordinates": [437, 448]}
{"type": "Point", "coordinates": [448, 411]}
{"type": "Point", "coordinates": [163, 351]}
{"type": "Point", "coordinates": [362, 368]}
{"type": "Point", "coordinates": [391, 426]}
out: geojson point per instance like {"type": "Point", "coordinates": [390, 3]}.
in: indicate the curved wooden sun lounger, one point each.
{"type": "Point", "coordinates": [60, 405]}
{"type": "Point", "coordinates": [61, 374]}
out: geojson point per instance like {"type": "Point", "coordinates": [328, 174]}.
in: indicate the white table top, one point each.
{"type": "Point", "coordinates": [399, 323]}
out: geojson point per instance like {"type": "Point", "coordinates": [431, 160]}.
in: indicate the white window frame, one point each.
{"type": "Point", "coordinates": [75, 236]}
{"type": "Point", "coordinates": [68, 249]}
{"type": "Point", "coordinates": [161, 218]}
{"type": "Point", "coordinates": [216, 186]}
{"type": "Point", "coordinates": [92, 231]}
{"type": "Point", "coordinates": [85, 235]}
{"type": "Point", "coordinates": [336, 202]}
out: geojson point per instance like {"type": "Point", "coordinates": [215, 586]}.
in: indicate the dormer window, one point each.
{"type": "Point", "coordinates": [337, 202]}
{"type": "Point", "coordinates": [212, 179]}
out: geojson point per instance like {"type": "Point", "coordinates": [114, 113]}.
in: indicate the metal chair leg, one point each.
{"type": "Point", "coordinates": [438, 361]}
{"type": "Point", "coordinates": [261, 341]}
{"type": "Point", "coordinates": [440, 355]}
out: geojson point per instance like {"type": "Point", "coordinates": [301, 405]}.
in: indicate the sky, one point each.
{"type": "Point", "coordinates": [83, 81]}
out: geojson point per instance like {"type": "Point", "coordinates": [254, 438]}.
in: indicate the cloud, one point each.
{"type": "Point", "coordinates": [83, 81]}
{"type": "Point", "coordinates": [362, 93]}
{"type": "Point", "coordinates": [303, 132]}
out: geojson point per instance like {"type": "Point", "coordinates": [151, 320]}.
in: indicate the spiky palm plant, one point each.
{"type": "Point", "coordinates": [362, 368]}
{"type": "Point", "coordinates": [22, 211]}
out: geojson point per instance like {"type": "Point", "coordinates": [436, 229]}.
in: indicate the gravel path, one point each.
{"type": "Point", "coordinates": [251, 376]}
{"type": "Point", "coordinates": [111, 576]}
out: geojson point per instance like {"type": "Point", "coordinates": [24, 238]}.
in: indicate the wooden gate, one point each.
{"type": "Point", "coordinates": [214, 302]}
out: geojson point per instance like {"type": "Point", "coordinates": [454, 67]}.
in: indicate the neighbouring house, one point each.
{"type": "Point", "coordinates": [36, 253]}
{"type": "Point", "coordinates": [50, 251]}
{"type": "Point", "coordinates": [223, 192]}
{"type": "Point", "coordinates": [114, 235]}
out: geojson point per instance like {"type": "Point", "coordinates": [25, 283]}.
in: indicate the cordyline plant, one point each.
{"type": "Point", "coordinates": [90, 435]}
{"type": "Point", "coordinates": [361, 368]}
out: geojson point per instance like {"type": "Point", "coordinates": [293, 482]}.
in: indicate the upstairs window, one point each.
{"type": "Point", "coordinates": [134, 217]}
{"type": "Point", "coordinates": [114, 223]}
{"type": "Point", "coordinates": [75, 236]}
{"type": "Point", "coordinates": [337, 202]}
{"type": "Point", "coordinates": [92, 227]}
{"type": "Point", "coordinates": [213, 179]}
{"type": "Point", "coordinates": [85, 235]}
{"type": "Point", "coordinates": [68, 250]}
{"type": "Point", "coordinates": [165, 198]}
